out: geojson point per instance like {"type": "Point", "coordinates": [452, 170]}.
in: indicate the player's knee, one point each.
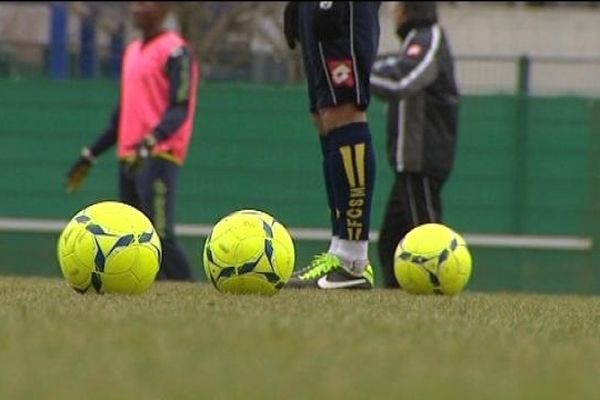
{"type": "Point", "coordinates": [338, 116]}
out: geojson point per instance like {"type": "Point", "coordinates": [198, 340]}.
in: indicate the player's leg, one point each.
{"type": "Point", "coordinates": [349, 169]}
{"type": "Point", "coordinates": [312, 68]}
{"type": "Point", "coordinates": [127, 188]}
{"type": "Point", "coordinates": [347, 67]}
{"type": "Point", "coordinates": [156, 184]}
{"type": "Point", "coordinates": [310, 58]}
{"type": "Point", "coordinates": [326, 256]}
{"type": "Point", "coordinates": [327, 179]}
{"type": "Point", "coordinates": [397, 221]}
{"type": "Point", "coordinates": [341, 71]}
{"type": "Point", "coordinates": [427, 191]}
{"type": "Point", "coordinates": [414, 200]}
{"type": "Point", "coordinates": [352, 164]}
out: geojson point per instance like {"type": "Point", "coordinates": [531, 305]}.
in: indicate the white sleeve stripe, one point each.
{"type": "Point", "coordinates": [415, 73]}
{"type": "Point", "coordinates": [400, 136]}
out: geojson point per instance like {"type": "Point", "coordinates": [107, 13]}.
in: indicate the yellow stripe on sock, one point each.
{"type": "Point", "coordinates": [347, 159]}
{"type": "Point", "coordinates": [359, 150]}
{"type": "Point", "coordinates": [350, 234]}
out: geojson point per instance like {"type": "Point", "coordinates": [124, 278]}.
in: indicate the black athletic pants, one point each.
{"type": "Point", "coordinates": [414, 200]}
{"type": "Point", "coordinates": [151, 188]}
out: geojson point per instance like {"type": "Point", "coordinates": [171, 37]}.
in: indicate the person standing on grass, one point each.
{"type": "Point", "coordinates": [339, 41]}
{"type": "Point", "coordinates": [419, 85]}
{"type": "Point", "coordinates": [151, 127]}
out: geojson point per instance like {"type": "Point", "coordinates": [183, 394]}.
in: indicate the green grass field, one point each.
{"type": "Point", "coordinates": [187, 341]}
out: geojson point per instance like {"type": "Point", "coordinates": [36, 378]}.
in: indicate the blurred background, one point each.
{"type": "Point", "coordinates": [525, 189]}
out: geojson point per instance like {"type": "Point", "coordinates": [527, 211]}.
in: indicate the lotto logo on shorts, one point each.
{"type": "Point", "coordinates": [341, 72]}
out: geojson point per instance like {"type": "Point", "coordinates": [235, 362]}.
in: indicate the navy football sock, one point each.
{"type": "Point", "coordinates": [352, 162]}
{"type": "Point", "coordinates": [324, 140]}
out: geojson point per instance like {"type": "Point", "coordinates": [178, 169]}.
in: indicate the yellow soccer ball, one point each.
{"type": "Point", "coordinates": [110, 247]}
{"type": "Point", "coordinates": [249, 252]}
{"type": "Point", "coordinates": [432, 258]}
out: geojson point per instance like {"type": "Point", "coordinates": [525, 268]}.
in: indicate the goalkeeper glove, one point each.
{"type": "Point", "coordinates": [290, 24]}
{"type": "Point", "coordinates": [329, 20]}
{"type": "Point", "coordinates": [80, 170]}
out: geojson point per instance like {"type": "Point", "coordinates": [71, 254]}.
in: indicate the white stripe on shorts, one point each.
{"type": "Point", "coordinates": [324, 64]}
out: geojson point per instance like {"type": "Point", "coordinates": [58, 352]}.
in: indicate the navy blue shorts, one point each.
{"type": "Point", "coordinates": [337, 71]}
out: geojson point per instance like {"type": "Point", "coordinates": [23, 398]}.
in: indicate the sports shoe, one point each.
{"type": "Point", "coordinates": [327, 272]}
{"type": "Point", "coordinates": [320, 264]}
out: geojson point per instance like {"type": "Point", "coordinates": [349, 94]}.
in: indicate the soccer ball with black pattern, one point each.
{"type": "Point", "coordinates": [109, 247]}
{"type": "Point", "coordinates": [432, 258]}
{"type": "Point", "coordinates": [249, 252]}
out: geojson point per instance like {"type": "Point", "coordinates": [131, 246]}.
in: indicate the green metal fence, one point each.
{"type": "Point", "coordinates": [525, 169]}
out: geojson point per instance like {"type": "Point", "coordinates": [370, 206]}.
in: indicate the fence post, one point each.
{"type": "Point", "coordinates": [59, 40]}
{"type": "Point", "coordinates": [115, 58]}
{"type": "Point", "coordinates": [88, 58]}
{"type": "Point", "coordinates": [523, 74]}
{"type": "Point", "coordinates": [521, 160]}
{"type": "Point", "coordinates": [593, 215]}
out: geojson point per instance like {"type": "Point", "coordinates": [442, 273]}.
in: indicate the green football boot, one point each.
{"type": "Point", "coordinates": [327, 271]}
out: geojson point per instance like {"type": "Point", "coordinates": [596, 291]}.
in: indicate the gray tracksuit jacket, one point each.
{"type": "Point", "coordinates": [419, 86]}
